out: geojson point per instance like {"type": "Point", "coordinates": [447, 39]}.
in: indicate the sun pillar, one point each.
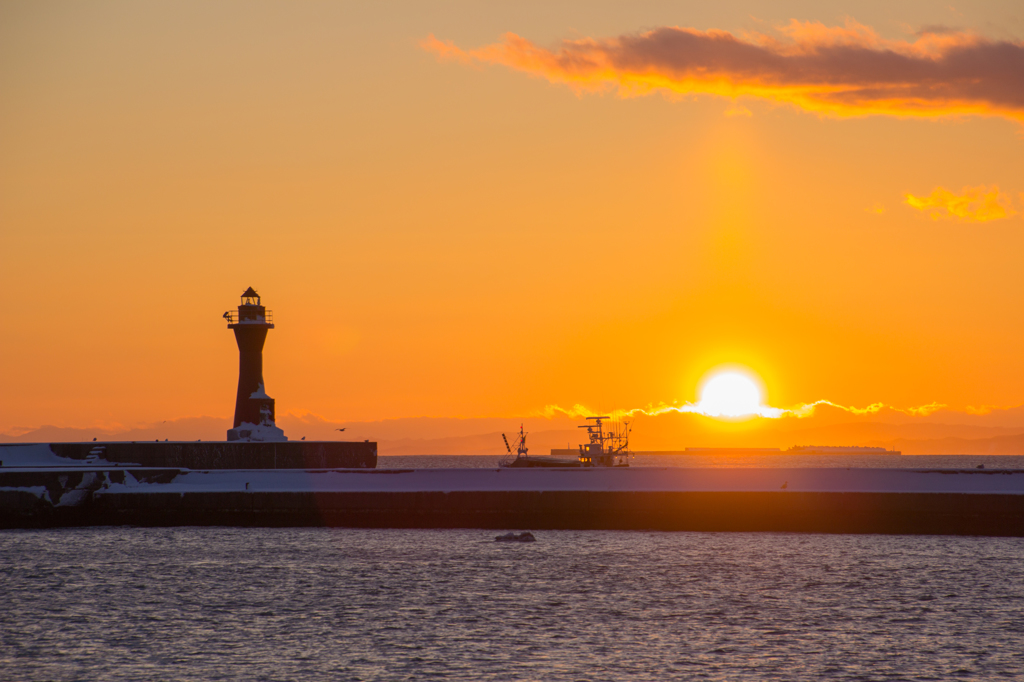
{"type": "Point", "coordinates": [254, 409]}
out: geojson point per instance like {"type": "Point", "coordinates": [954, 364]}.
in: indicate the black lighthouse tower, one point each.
{"type": "Point", "coordinates": [254, 409]}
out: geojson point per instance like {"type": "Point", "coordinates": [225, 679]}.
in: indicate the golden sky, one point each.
{"type": "Point", "coordinates": [463, 210]}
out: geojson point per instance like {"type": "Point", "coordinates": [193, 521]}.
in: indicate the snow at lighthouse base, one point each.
{"type": "Point", "coordinates": [265, 433]}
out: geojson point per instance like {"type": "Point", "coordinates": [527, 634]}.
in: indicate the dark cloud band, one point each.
{"type": "Point", "coordinates": [841, 71]}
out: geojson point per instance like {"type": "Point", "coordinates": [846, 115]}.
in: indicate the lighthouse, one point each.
{"type": "Point", "coordinates": [254, 409]}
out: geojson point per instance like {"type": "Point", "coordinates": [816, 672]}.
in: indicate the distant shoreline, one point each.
{"type": "Point", "coordinates": [765, 451]}
{"type": "Point", "coordinates": [703, 452]}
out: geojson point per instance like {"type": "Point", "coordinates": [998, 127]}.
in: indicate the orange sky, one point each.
{"type": "Point", "coordinates": [459, 234]}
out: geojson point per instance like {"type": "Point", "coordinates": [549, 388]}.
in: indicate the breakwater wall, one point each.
{"type": "Point", "coordinates": [897, 501]}
{"type": "Point", "coordinates": [195, 455]}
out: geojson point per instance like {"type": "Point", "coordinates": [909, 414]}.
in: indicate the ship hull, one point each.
{"type": "Point", "coordinates": [542, 462]}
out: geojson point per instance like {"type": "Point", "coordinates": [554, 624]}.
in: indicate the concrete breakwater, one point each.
{"type": "Point", "coordinates": [194, 454]}
{"type": "Point", "coordinates": [962, 502]}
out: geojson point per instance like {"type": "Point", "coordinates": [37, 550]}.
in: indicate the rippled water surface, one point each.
{"type": "Point", "coordinates": [336, 604]}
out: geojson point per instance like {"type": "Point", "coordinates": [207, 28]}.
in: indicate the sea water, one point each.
{"type": "Point", "coordinates": [353, 604]}
{"type": "Point", "coordinates": [736, 460]}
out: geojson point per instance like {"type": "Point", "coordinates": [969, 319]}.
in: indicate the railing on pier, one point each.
{"type": "Point", "coordinates": [267, 318]}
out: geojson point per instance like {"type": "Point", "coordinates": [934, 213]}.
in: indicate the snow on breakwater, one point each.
{"type": "Point", "coordinates": [648, 479]}
{"type": "Point", "coordinates": [42, 455]}
{"type": "Point", "coordinates": [194, 454]}
{"type": "Point", "coordinates": [986, 481]}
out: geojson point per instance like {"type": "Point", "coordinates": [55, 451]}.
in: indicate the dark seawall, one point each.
{"type": "Point", "coordinates": [212, 454]}
{"type": "Point", "coordinates": [82, 498]}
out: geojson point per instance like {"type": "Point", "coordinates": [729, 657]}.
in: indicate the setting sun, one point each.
{"type": "Point", "coordinates": [730, 394]}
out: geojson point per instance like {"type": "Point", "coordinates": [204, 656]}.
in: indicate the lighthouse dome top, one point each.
{"type": "Point", "coordinates": [250, 312]}
{"type": "Point", "coordinates": [250, 297]}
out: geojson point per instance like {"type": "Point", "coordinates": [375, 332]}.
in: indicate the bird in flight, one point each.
{"type": "Point", "coordinates": [341, 429]}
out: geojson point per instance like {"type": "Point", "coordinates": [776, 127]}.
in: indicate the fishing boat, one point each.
{"type": "Point", "coordinates": [607, 446]}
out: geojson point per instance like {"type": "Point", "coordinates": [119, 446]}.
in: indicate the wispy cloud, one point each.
{"type": "Point", "coordinates": [807, 409]}
{"type": "Point", "coordinates": [799, 411]}
{"type": "Point", "coordinates": [972, 204]}
{"type": "Point", "coordinates": [833, 70]}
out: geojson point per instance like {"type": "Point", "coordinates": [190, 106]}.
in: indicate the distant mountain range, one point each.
{"type": "Point", "coordinates": [996, 432]}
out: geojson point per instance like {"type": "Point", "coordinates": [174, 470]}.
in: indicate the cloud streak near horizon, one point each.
{"type": "Point", "coordinates": [799, 411]}
{"type": "Point", "coordinates": [841, 71]}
